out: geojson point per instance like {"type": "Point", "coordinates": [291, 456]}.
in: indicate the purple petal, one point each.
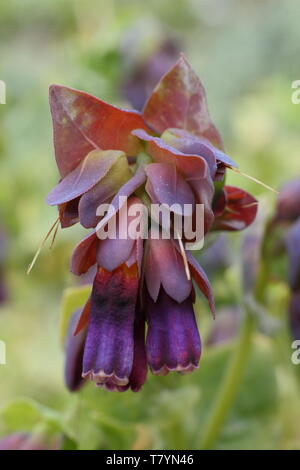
{"type": "Point", "coordinates": [173, 341]}
{"type": "Point", "coordinates": [121, 197]}
{"type": "Point", "coordinates": [167, 186]}
{"type": "Point", "coordinates": [109, 348]}
{"type": "Point", "coordinates": [161, 152]}
{"type": "Point", "coordinates": [91, 170]}
{"type": "Point", "coordinates": [164, 266]}
{"type": "Point", "coordinates": [90, 201]}
{"type": "Point", "coordinates": [193, 167]}
{"type": "Point", "coordinates": [84, 254]}
{"type": "Point", "coordinates": [224, 158]}
{"type": "Point", "coordinates": [103, 192]}
{"type": "Point", "coordinates": [114, 252]}
{"type": "Point", "coordinates": [191, 144]}
{"type": "Point", "coordinates": [139, 370]}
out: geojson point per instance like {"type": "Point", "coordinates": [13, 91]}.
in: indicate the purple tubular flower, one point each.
{"type": "Point", "coordinates": [109, 348]}
{"type": "Point", "coordinates": [139, 369]}
{"type": "Point", "coordinates": [173, 341]}
{"type": "Point", "coordinates": [145, 74]}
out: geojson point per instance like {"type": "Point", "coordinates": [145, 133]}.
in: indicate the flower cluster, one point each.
{"type": "Point", "coordinates": [140, 312]}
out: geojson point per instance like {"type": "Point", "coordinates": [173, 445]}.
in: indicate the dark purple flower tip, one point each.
{"type": "Point", "coordinates": [288, 203]}
{"type": "Point", "coordinates": [74, 348]}
{"type": "Point", "coordinates": [139, 369]}
{"type": "Point", "coordinates": [109, 348]}
{"type": "Point", "coordinates": [173, 341]}
{"type": "Point", "coordinates": [294, 314]}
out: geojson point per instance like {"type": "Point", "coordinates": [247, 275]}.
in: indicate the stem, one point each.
{"type": "Point", "coordinates": [232, 377]}
{"type": "Point", "coordinates": [228, 389]}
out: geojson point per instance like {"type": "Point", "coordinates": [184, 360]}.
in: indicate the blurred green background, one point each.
{"type": "Point", "coordinates": [247, 55]}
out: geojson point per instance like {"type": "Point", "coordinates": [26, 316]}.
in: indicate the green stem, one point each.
{"type": "Point", "coordinates": [227, 391]}
{"type": "Point", "coordinates": [233, 374]}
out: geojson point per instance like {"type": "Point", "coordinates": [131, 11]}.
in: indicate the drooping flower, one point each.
{"type": "Point", "coordinates": [144, 73]}
{"type": "Point", "coordinates": [287, 216]}
{"type": "Point", "coordinates": [100, 152]}
{"type": "Point", "coordinates": [293, 252]}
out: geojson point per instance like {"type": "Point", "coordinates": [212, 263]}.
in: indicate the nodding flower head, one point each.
{"type": "Point", "coordinates": [140, 311]}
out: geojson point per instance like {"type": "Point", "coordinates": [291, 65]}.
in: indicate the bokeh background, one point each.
{"type": "Point", "coordinates": [247, 55]}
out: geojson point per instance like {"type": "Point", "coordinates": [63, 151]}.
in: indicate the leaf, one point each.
{"type": "Point", "coordinates": [82, 122]}
{"type": "Point", "coordinates": [20, 415]}
{"type": "Point", "coordinates": [179, 100]}
{"type": "Point", "coordinates": [73, 298]}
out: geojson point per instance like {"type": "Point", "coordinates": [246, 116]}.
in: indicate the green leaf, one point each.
{"type": "Point", "coordinates": [22, 414]}
{"type": "Point", "coordinates": [73, 298]}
